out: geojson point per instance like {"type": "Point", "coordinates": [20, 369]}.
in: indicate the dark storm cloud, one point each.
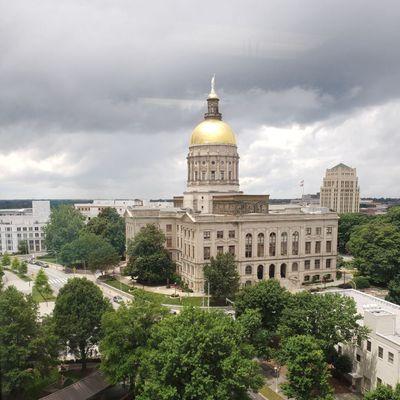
{"type": "Point", "coordinates": [96, 85]}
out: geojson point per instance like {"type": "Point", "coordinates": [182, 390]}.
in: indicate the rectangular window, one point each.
{"type": "Point", "coordinates": [232, 250]}
{"type": "Point", "coordinates": [169, 241]}
{"type": "Point", "coordinates": [328, 246]}
{"type": "Point", "coordinates": [220, 249]}
{"type": "Point", "coordinates": [206, 253]}
{"type": "Point", "coordinates": [206, 234]}
{"type": "Point", "coordinates": [231, 234]}
{"type": "Point", "coordinates": [308, 231]}
{"type": "Point", "coordinates": [222, 175]}
{"type": "Point", "coordinates": [212, 175]}
{"type": "Point", "coordinates": [328, 263]}
{"type": "Point", "coordinates": [308, 248]}
{"type": "Point", "coordinates": [317, 264]}
{"type": "Point", "coordinates": [368, 345]}
{"type": "Point", "coordinates": [317, 247]}
{"type": "Point", "coordinates": [168, 228]}
{"type": "Point", "coordinates": [390, 357]}
{"type": "Point", "coordinates": [380, 352]}
{"type": "Point", "coordinates": [220, 234]}
{"type": "Point", "coordinates": [329, 230]}
{"type": "Point", "coordinates": [307, 264]}
{"type": "Point", "coordinates": [318, 231]}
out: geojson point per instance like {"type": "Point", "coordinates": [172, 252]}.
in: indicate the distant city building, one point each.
{"type": "Point", "coordinates": [373, 207]}
{"type": "Point", "coordinates": [24, 224]}
{"type": "Point", "coordinates": [90, 210]}
{"type": "Point", "coordinates": [293, 244]}
{"type": "Point", "coordinates": [376, 360]}
{"type": "Point", "coordinates": [340, 191]}
{"type": "Point", "coordinates": [307, 200]}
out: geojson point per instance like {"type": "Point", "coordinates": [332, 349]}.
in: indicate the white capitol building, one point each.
{"type": "Point", "coordinates": [294, 245]}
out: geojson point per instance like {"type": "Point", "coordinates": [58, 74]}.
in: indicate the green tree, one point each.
{"type": "Point", "coordinates": [223, 277]}
{"type": "Point", "coordinates": [347, 223]}
{"type": "Point", "coordinates": [125, 335]}
{"type": "Point", "coordinates": [383, 392]}
{"type": "Point", "coordinates": [376, 248]}
{"type": "Point", "coordinates": [329, 318]}
{"type": "Point", "coordinates": [64, 227]}
{"type": "Point", "coordinates": [393, 216]}
{"type": "Point", "coordinates": [266, 296]}
{"type": "Point", "coordinates": [111, 227]}
{"type": "Point", "coordinates": [1, 276]}
{"type": "Point", "coordinates": [23, 267]}
{"type": "Point", "coordinates": [198, 355]}
{"type": "Point", "coordinates": [27, 350]}
{"type": "Point", "coordinates": [6, 260]}
{"type": "Point", "coordinates": [42, 284]}
{"type": "Point", "coordinates": [307, 371]}
{"type": "Point", "coordinates": [78, 310]}
{"type": "Point", "coordinates": [90, 250]}
{"type": "Point", "coordinates": [15, 264]}
{"type": "Point", "coordinates": [394, 291]}
{"type": "Point", "coordinates": [149, 261]}
{"type": "Point", "coordinates": [23, 247]}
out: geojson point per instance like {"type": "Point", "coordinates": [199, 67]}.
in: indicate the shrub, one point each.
{"type": "Point", "coordinates": [338, 275]}
{"type": "Point", "coordinates": [343, 364]}
{"type": "Point", "coordinates": [361, 282]}
{"type": "Point", "coordinates": [345, 286]}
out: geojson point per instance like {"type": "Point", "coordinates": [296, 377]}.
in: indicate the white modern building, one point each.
{"type": "Point", "coordinates": [90, 210]}
{"type": "Point", "coordinates": [24, 224]}
{"type": "Point", "coordinates": [376, 360]}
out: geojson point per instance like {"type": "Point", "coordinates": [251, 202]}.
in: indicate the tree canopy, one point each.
{"type": "Point", "coordinates": [63, 227]}
{"type": "Point", "coordinates": [376, 248]}
{"type": "Point", "coordinates": [394, 291]}
{"type": "Point", "coordinates": [347, 223]}
{"type": "Point", "coordinates": [78, 310]}
{"type": "Point", "coordinates": [91, 250]}
{"type": "Point", "coordinates": [266, 296]}
{"type": "Point", "coordinates": [125, 335]}
{"type": "Point", "coordinates": [198, 355]}
{"type": "Point", "coordinates": [42, 284]}
{"type": "Point", "coordinates": [27, 346]}
{"type": "Point", "coordinates": [223, 276]}
{"type": "Point", "coordinates": [307, 371]}
{"type": "Point", "coordinates": [149, 260]}
{"type": "Point", "coordinates": [23, 247]}
{"type": "Point", "coordinates": [329, 318]}
{"type": "Point", "coordinates": [111, 227]}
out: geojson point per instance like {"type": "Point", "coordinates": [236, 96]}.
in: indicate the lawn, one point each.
{"type": "Point", "coordinates": [47, 258]}
{"type": "Point", "coordinates": [39, 298]}
{"type": "Point", "coordinates": [267, 392]}
{"type": "Point", "coordinates": [21, 276]}
{"type": "Point", "coordinates": [157, 297]}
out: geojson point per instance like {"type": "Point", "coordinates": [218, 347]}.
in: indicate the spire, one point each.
{"type": "Point", "coordinates": [212, 103]}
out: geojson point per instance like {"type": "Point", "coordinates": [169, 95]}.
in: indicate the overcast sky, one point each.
{"type": "Point", "coordinates": [98, 98]}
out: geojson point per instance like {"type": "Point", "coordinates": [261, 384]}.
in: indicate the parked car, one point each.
{"type": "Point", "coordinates": [118, 299]}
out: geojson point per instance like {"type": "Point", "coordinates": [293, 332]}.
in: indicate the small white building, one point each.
{"type": "Point", "coordinates": [376, 360]}
{"type": "Point", "coordinates": [90, 210]}
{"type": "Point", "coordinates": [24, 224]}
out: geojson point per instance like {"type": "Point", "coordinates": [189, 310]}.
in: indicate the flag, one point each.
{"type": "Point", "coordinates": [302, 183]}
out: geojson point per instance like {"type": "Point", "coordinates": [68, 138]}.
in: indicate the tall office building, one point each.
{"type": "Point", "coordinates": [340, 191]}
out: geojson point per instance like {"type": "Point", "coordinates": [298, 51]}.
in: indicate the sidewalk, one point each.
{"type": "Point", "coordinates": [157, 289]}
{"type": "Point", "coordinates": [11, 279]}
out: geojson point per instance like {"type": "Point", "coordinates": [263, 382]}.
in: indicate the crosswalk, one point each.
{"type": "Point", "coordinates": [58, 282]}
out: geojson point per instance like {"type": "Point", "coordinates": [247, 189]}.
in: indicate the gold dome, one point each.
{"type": "Point", "coordinates": [212, 131]}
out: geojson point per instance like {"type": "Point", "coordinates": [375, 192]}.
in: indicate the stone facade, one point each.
{"type": "Point", "coordinates": [340, 191]}
{"type": "Point", "coordinates": [295, 245]}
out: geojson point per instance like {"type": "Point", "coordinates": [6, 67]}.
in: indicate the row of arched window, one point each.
{"type": "Point", "coordinates": [271, 270]}
{"type": "Point", "coordinates": [272, 244]}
